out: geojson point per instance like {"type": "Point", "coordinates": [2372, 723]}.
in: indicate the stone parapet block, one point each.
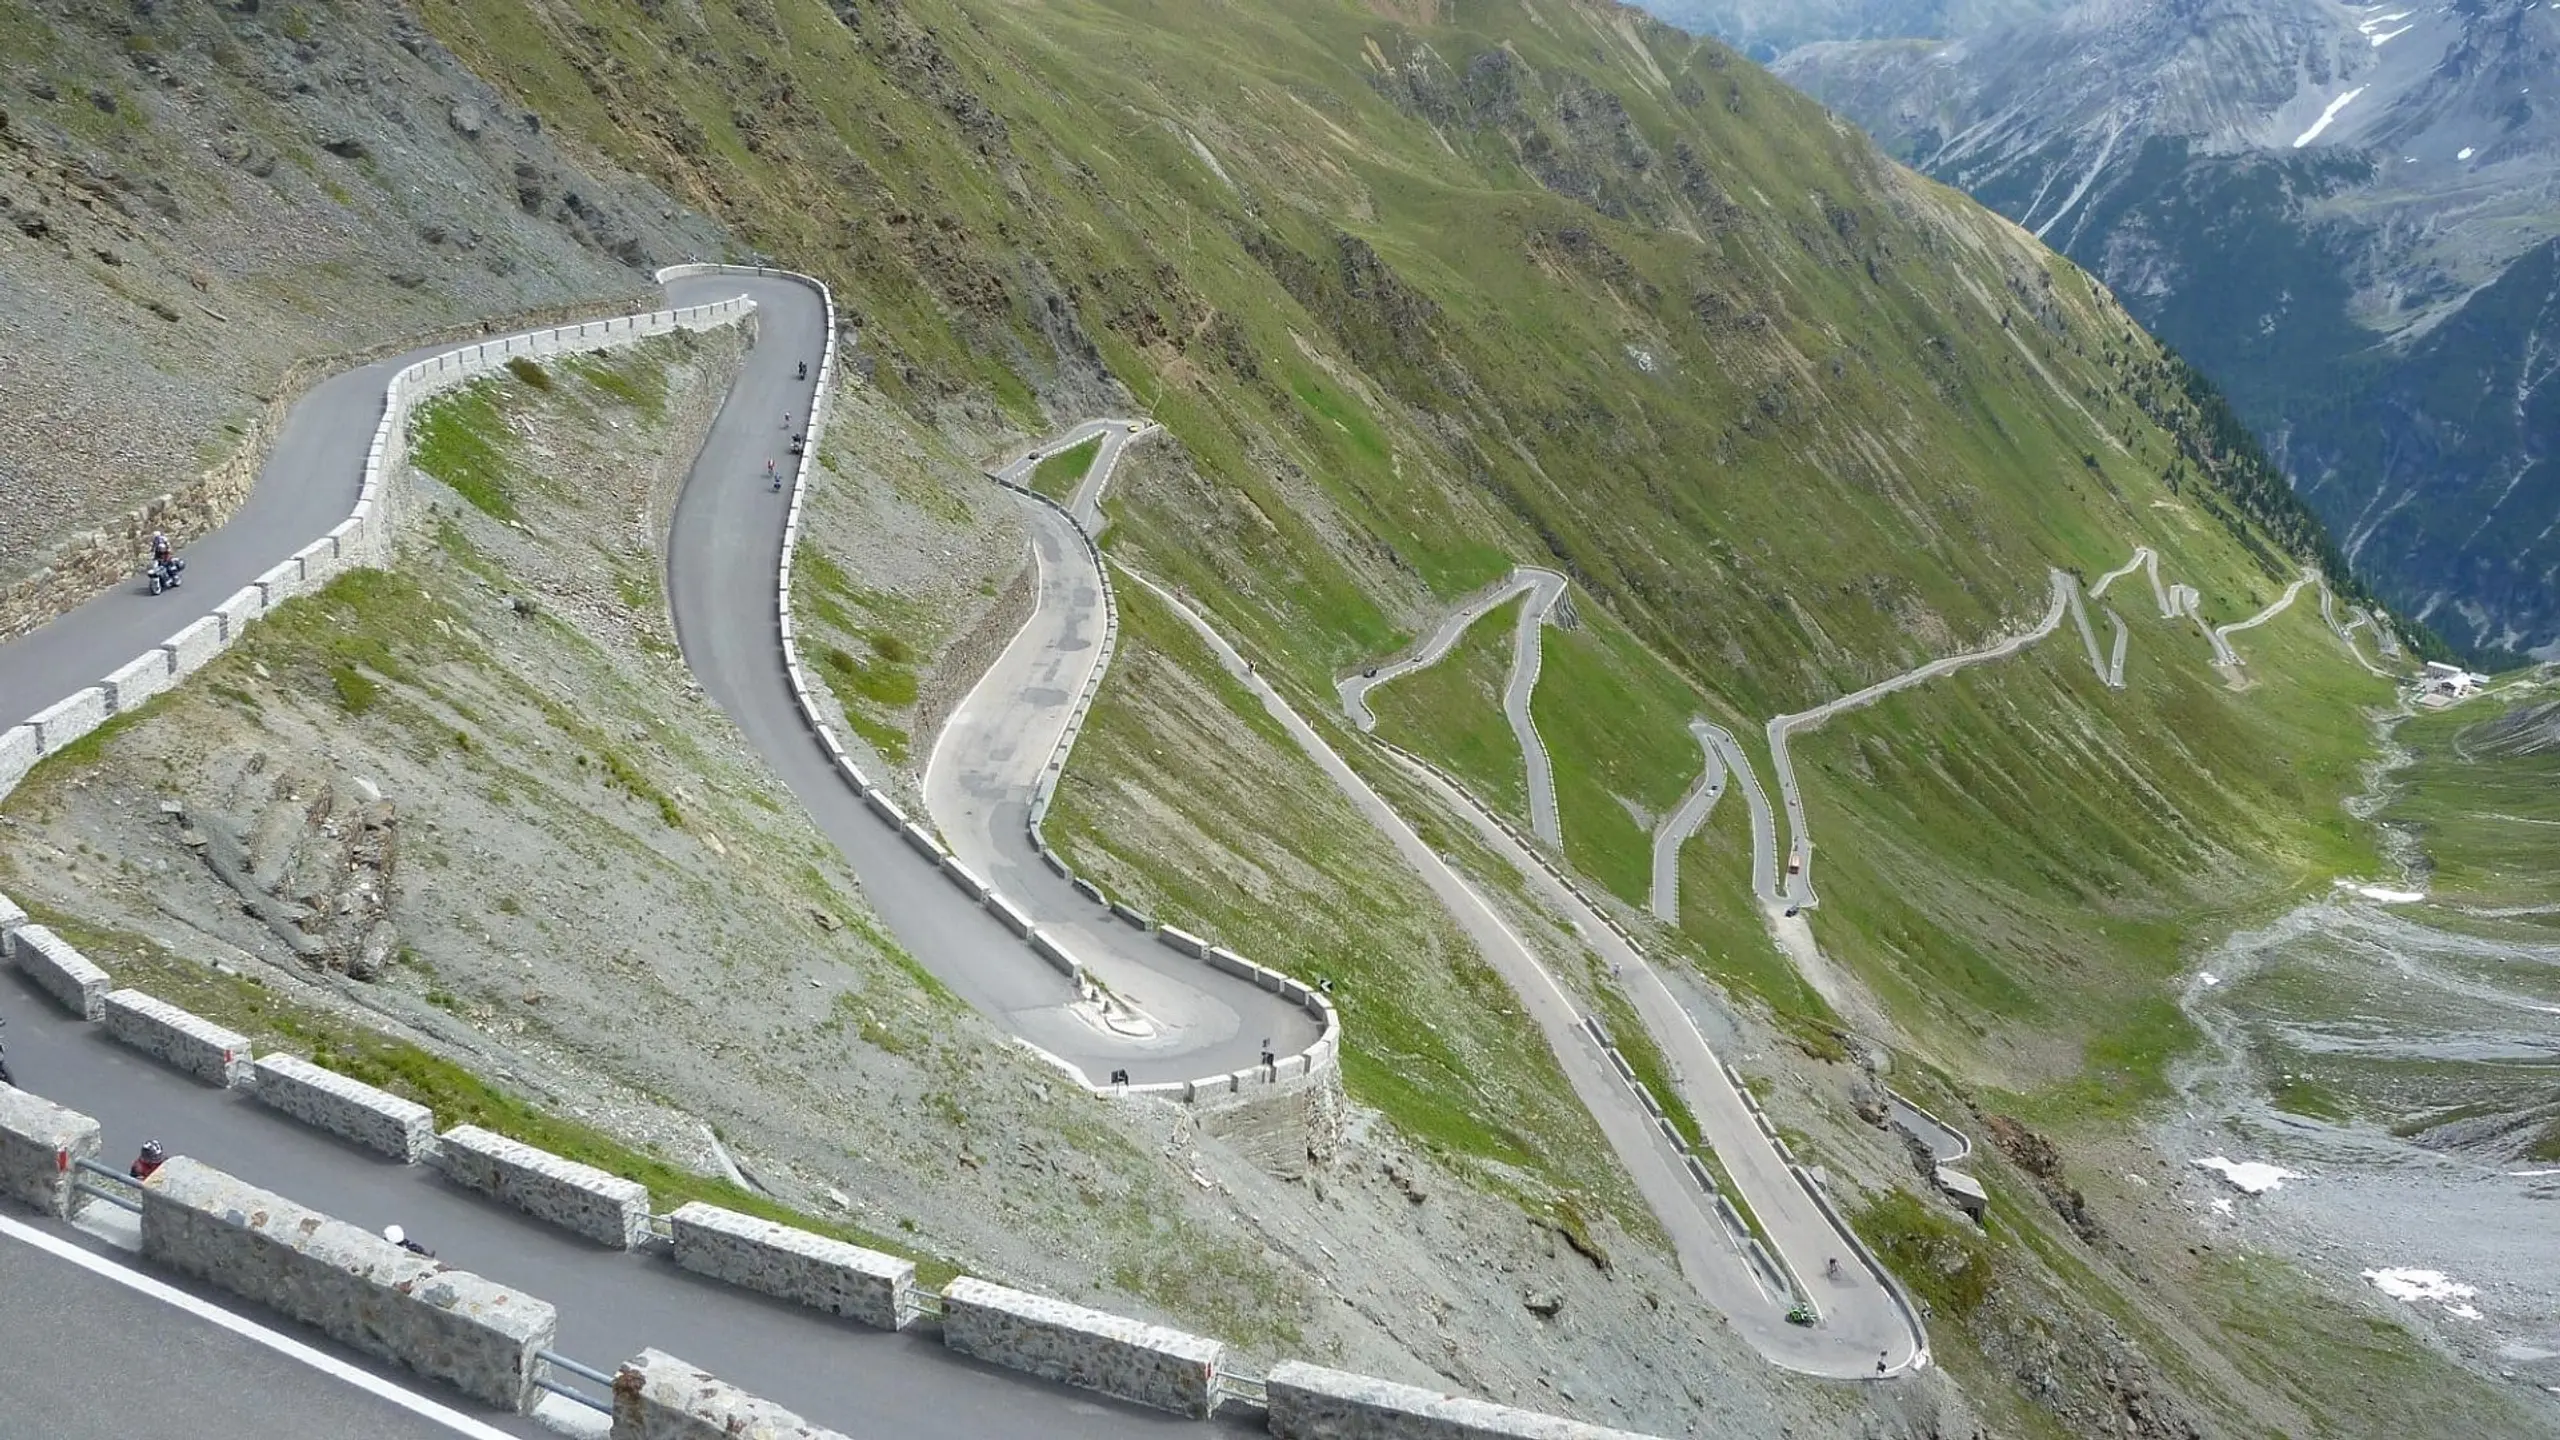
{"type": "Point", "coordinates": [794, 1265]}
{"type": "Point", "coordinates": [39, 1141]}
{"type": "Point", "coordinates": [659, 1397]}
{"type": "Point", "coordinates": [1071, 1345]}
{"type": "Point", "coordinates": [1310, 1402]}
{"type": "Point", "coordinates": [137, 680]}
{"type": "Point", "coordinates": [194, 647]}
{"type": "Point", "coordinates": [60, 970]}
{"type": "Point", "coordinates": [20, 748]}
{"type": "Point", "coordinates": [245, 604]}
{"type": "Point", "coordinates": [351, 1284]}
{"type": "Point", "coordinates": [578, 1198]}
{"type": "Point", "coordinates": [347, 1108]}
{"type": "Point", "coordinates": [177, 1039]}
{"type": "Point", "coordinates": [69, 718]}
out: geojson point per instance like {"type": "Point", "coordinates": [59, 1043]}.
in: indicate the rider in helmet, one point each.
{"type": "Point", "coordinates": [149, 1160]}
{"type": "Point", "coordinates": [161, 550]}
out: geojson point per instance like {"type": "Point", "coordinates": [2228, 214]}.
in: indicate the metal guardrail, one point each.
{"type": "Point", "coordinates": [111, 1185]}
{"type": "Point", "coordinates": [1248, 1388]}
{"type": "Point", "coordinates": [559, 1361]}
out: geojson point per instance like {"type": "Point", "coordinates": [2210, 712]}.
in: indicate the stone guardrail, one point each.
{"type": "Point", "coordinates": [184, 1042]}
{"type": "Point", "coordinates": [351, 1284]}
{"type": "Point", "coordinates": [363, 538]}
{"type": "Point", "coordinates": [1069, 1344]}
{"type": "Point", "coordinates": [56, 968]}
{"type": "Point", "coordinates": [39, 1140]}
{"type": "Point", "coordinates": [659, 1397]}
{"type": "Point", "coordinates": [580, 1199]}
{"type": "Point", "coordinates": [348, 1108]}
{"type": "Point", "coordinates": [1310, 1402]}
{"type": "Point", "coordinates": [795, 1265]}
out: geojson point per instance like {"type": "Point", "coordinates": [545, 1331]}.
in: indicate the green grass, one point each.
{"type": "Point", "coordinates": [1451, 714]}
{"type": "Point", "coordinates": [1940, 1259]}
{"type": "Point", "coordinates": [2484, 807]}
{"type": "Point", "coordinates": [2353, 1370]}
{"type": "Point", "coordinates": [872, 668]}
{"type": "Point", "coordinates": [1615, 722]}
{"type": "Point", "coordinates": [1059, 473]}
{"type": "Point", "coordinates": [460, 438]}
{"type": "Point", "coordinates": [274, 1021]}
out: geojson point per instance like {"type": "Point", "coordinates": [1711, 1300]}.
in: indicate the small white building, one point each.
{"type": "Point", "coordinates": [2445, 684]}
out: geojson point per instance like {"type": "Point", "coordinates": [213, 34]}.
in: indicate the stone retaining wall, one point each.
{"type": "Point", "coordinates": [59, 970]}
{"type": "Point", "coordinates": [1069, 1344]}
{"type": "Point", "coordinates": [139, 679]}
{"type": "Point", "coordinates": [351, 1284]}
{"type": "Point", "coordinates": [659, 1397]}
{"type": "Point", "coordinates": [38, 1142]}
{"type": "Point", "coordinates": [350, 1109]}
{"type": "Point", "coordinates": [1309, 1402]}
{"type": "Point", "coordinates": [20, 749]}
{"type": "Point", "coordinates": [578, 1198]}
{"type": "Point", "coordinates": [794, 1265]}
{"type": "Point", "coordinates": [177, 1039]}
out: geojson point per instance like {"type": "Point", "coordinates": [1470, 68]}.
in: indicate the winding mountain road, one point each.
{"type": "Point", "coordinates": [1684, 821]}
{"type": "Point", "coordinates": [723, 549]}
{"type": "Point", "coordinates": [1862, 1318]}
{"type": "Point", "coordinates": [1167, 1017]}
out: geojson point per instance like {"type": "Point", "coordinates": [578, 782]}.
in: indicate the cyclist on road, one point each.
{"type": "Point", "coordinates": [149, 1161]}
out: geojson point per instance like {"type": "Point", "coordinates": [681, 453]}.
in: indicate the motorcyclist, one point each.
{"type": "Point", "coordinates": [149, 1161]}
{"type": "Point", "coordinates": [804, 369]}
{"type": "Point", "coordinates": [772, 474]}
{"type": "Point", "coordinates": [400, 1237]}
{"type": "Point", "coordinates": [161, 550]}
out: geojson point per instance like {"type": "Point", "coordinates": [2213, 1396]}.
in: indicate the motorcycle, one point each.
{"type": "Point", "coordinates": [164, 574]}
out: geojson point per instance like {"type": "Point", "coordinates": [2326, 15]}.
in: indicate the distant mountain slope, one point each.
{"type": "Point", "coordinates": [2343, 214]}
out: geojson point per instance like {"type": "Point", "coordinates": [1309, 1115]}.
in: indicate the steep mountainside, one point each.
{"type": "Point", "coordinates": [2345, 215]}
{"type": "Point", "coordinates": [1425, 291]}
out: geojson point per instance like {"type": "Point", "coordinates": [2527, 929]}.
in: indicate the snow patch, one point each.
{"type": "Point", "coordinates": [2416, 1285]}
{"type": "Point", "coordinates": [2389, 35]}
{"type": "Point", "coordinates": [2249, 1177]}
{"type": "Point", "coordinates": [2221, 1204]}
{"type": "Point", "coordinates": [2307, 136]}
{"type": "Point", "coordinates": [2208, 979]}
{"type": "Point", "coordinates": [2532, 1174]}
{"type": "Point", "coordinates": [2463, 154]}
{"type": "Point", "coordinates": [2383, 895]}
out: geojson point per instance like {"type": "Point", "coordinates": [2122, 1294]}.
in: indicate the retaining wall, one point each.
{"type": "Point", "coordinates": [175, 1038]}
{"type": "Point", "coordinates": [794, 1265]}
{"type": "Point", "coordinates": [12, 919]}
{"type": "Point", "coordinates": [38, 1142]}
{"type": "Point", "coordinates": [353, 1285]}
{"type": "Point", "coordinates": [1309, 1402]}
{"type": "Point", "coordinates": [60, 970]}
{"type": "Point", "coordinates": [350, 1109]}
{"type": "Point", "coordinates": [1069, 1344]}
{"type": "Point", "coordinates": [578, 1198]}
{"type": "Point", "coordinates": [659, 1397]}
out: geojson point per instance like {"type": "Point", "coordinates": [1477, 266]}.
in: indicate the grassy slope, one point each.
{"type": "Point", "coordinates": [1451, 713]}
{"type": "Point", "coordinates": [1178, 758]}
{"type": "Point", "coordinates": [1058, 475]}
{"type": "Point", "coordinates": [2487, 815]}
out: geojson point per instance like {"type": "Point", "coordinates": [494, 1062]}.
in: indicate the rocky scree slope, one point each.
{"type": "Point", "coordinates": [2345, 215]}
{"type": "Point", "coordinates": [199, 204]}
